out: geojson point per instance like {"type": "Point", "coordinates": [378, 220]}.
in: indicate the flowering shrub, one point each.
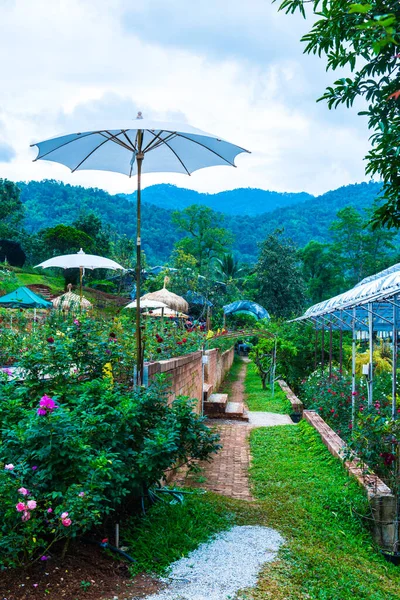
{"type": "Point", "coordinates": [375, 435]}
{"type": "Point", "coordinates": [69, 462]}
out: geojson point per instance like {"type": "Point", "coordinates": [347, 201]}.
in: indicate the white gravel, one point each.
{"type": "Point", "coordinates": [222, 567]}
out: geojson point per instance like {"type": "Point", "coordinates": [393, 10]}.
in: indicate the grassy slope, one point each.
{"type": "Point", "coordinates": [259, 399]}
{"type": "Point", "coordinates": [20, 277]}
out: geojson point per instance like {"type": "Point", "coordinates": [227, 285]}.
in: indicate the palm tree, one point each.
{"type": "Point", "coordinates": [228, 267]}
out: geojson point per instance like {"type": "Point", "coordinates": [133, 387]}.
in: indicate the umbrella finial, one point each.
{"type": "Point", "coordinates": [80, 251]}
{"type": "Point", "coordinates": [139, 115]}
{"type": "Point", "coordinates": [166, 281]}
{"type": "Point", "coordinates": [69, 287]}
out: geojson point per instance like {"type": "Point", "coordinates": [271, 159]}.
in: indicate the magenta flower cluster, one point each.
{"type": "Point", "coordinates": [46, 405]}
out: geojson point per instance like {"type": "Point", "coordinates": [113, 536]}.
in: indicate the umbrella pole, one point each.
{"type": "Point", "coordinates": [139, 358]}
{"type": "Point", "coordinates": [80, 288]}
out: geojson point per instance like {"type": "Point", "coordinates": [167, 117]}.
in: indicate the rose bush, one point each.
{"type": "Point", "coordinates": [374, 437]}
{"type": "Point", "coordinates": [69, 462]}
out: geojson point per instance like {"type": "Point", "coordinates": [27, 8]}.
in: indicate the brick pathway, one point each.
{"type": "Point", "coordinates": [227, 473]}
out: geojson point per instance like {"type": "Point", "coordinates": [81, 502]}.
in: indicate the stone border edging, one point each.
{"type": "Point", "coordinates": [297, 405]}
{"type": "Point", "coordinates": [380, 497]}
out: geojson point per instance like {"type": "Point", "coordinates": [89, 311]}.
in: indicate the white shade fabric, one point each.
{"type": "Point", "coordinates": [81, 260]}
{"type": "Point", "coordinates": [167, 147]}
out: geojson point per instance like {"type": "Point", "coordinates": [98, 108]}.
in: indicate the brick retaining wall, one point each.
{"type": "Point", "coordinates": [297, 405]}
{"type": "Point", "coordinates": [185, 373]}
{"type": "Point", "coordinates": [381, 499]}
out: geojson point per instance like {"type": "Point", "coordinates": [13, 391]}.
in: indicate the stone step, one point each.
{"type": "Point", "coordinates": [207, 390]}
{"type": "Point", "coordinates": [215, 404]}
{"type": "Point", "coordinates": [235, 410]}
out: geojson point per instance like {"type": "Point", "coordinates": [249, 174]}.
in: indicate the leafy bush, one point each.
{"type": "Point", "coordinates": [82, 457]}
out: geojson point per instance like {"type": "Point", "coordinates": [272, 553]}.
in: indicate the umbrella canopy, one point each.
{"type": "Point", "coordinates": [139, 146]}
{"type": "Point", "coordinates": [146, 303]}
{"type": "Point", "coordinates": [81, 260]}
{"type": "Point", "coordinates": [23, 297]}
{"type": "Point", "coordinates": [168, 147]}
{"type": "Point", "coordinates": [69, 300]}
{"type": "Point", "coordinates": [166, 312]}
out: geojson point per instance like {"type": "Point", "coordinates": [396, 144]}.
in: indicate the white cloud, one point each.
{"type": "Point", "coordinates": [227, 67]}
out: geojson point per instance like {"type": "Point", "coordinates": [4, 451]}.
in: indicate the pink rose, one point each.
{"type": "Point", "coordinates": [81, 494]}
{"type": "Point", "coordinates": [20, 506]}
{"type": "Point", "coordinates": [49, 510]}
{"type": "Point", "coordinates": [64, 515]}
{"type": "Point", "coordinates": [26, 516]}
{"type": "Point", "coordinates": [9, 467]}
{"type": "Point", "coordinates": [66, 522]}
{"type": "Point", "coordinates": [23, 491]}
{"type": "Point", "coordinates": [31, 504]}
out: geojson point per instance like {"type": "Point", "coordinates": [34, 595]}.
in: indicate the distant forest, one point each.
{"type": "Point", "coordinates": [301, 216]}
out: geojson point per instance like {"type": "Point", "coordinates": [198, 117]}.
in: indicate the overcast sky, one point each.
{"type": "Point", "coordinates": [229, 67]}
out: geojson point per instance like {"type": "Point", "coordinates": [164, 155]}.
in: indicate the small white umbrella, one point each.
{"type": "Point", "coordinates": [144, 303]}
{"type": "Point", "coordinates": [81, 261]}
{"type": "Point", "coordinates": [136, 147]}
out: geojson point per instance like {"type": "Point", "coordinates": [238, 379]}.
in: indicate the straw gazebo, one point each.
{"type": "Point", "coordinates": [172, 300]}
{"type": "Point", "coordinates": [69, 301]}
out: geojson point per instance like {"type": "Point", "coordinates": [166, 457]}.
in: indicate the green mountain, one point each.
{"type": "Point", "coordinates": [48, 203]}
{"type": "Point", "coordinates": [242, 201]}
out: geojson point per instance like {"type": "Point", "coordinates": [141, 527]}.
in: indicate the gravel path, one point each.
{"type": "Point", "coordinates": [267, 419]}
{"type": "Point", "coordinates": [219, 569]}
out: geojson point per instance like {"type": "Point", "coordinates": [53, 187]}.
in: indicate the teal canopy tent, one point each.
{"type": "Point", "coordinates": [23, 297]}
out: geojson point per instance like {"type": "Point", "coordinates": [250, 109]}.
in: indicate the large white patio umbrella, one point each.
{"type": "Point", "coordinates": [139, 146]}
{"type": "Point", "coordinates": [81, 261]}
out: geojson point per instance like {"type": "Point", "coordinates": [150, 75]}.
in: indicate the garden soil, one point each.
{"type": "Point", "coordinates": [86, 573]}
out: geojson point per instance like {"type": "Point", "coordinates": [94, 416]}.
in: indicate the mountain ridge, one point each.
{"type": "Point", "coordinates": [49, 203]}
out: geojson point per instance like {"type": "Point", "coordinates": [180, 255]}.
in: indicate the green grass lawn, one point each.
{"type": "Point", "coordinates": [231, 376]}
{"type": "Point", "coordinates": [258, 399]}
{"type": "Point", "coordinates": [302, 492]}
{"type": "Point", "coordinates": [306, 494]}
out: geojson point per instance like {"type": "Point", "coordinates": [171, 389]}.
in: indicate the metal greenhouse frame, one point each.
{"type": "Point", "coordinates": [372, 306]}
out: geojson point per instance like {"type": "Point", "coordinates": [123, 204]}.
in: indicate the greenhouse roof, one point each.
{"type": "Point", "coordinates": [379, 292]}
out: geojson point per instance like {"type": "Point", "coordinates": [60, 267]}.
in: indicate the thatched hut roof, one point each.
{"type": "Point", "coordinates": [172, 300]}
{"type": "Point", "coordinates": [69, 301]}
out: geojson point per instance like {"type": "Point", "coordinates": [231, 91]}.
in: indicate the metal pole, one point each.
{"type": "Point", "coordinates": [394, 363]}
{"type": "Point", "coordinates": [341, 351]}
{"type": "Point", "coordinates": [315, 347]}
{"type": "Point", "coordinates": [139, 357]}
{"type": "Point", "coordinates": [353, 367]}
{"type": "Point", "coordinates": [330, 350]}
{"type": "Point", "coordinates": [322, 346]}
{"type": "Point", "coordinates": [80, 288]}
{"type": "Point", "coordinates": [371, 356]}
{"type": "Point", "coordinates": [273, 368]}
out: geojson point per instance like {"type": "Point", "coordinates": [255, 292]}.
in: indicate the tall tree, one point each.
{"type": "Point", "coordinates": [361, 249]}
{"type": "Point", "coordinates": [321, 270]}
{"type": "Point", "coordinates": [205, 240]}
{"type": "Point", "coordinates": [93, 226]}
{"type": "Point", "coordinates": [11, 210]}
{"type": "Point", "coordinates": [280, 283]}
{"type": "Point", "coordinates": [364, 38]}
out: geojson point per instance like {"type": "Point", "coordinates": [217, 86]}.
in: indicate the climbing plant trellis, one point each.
{"type": "Point", "coordinates": [372, 307]}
